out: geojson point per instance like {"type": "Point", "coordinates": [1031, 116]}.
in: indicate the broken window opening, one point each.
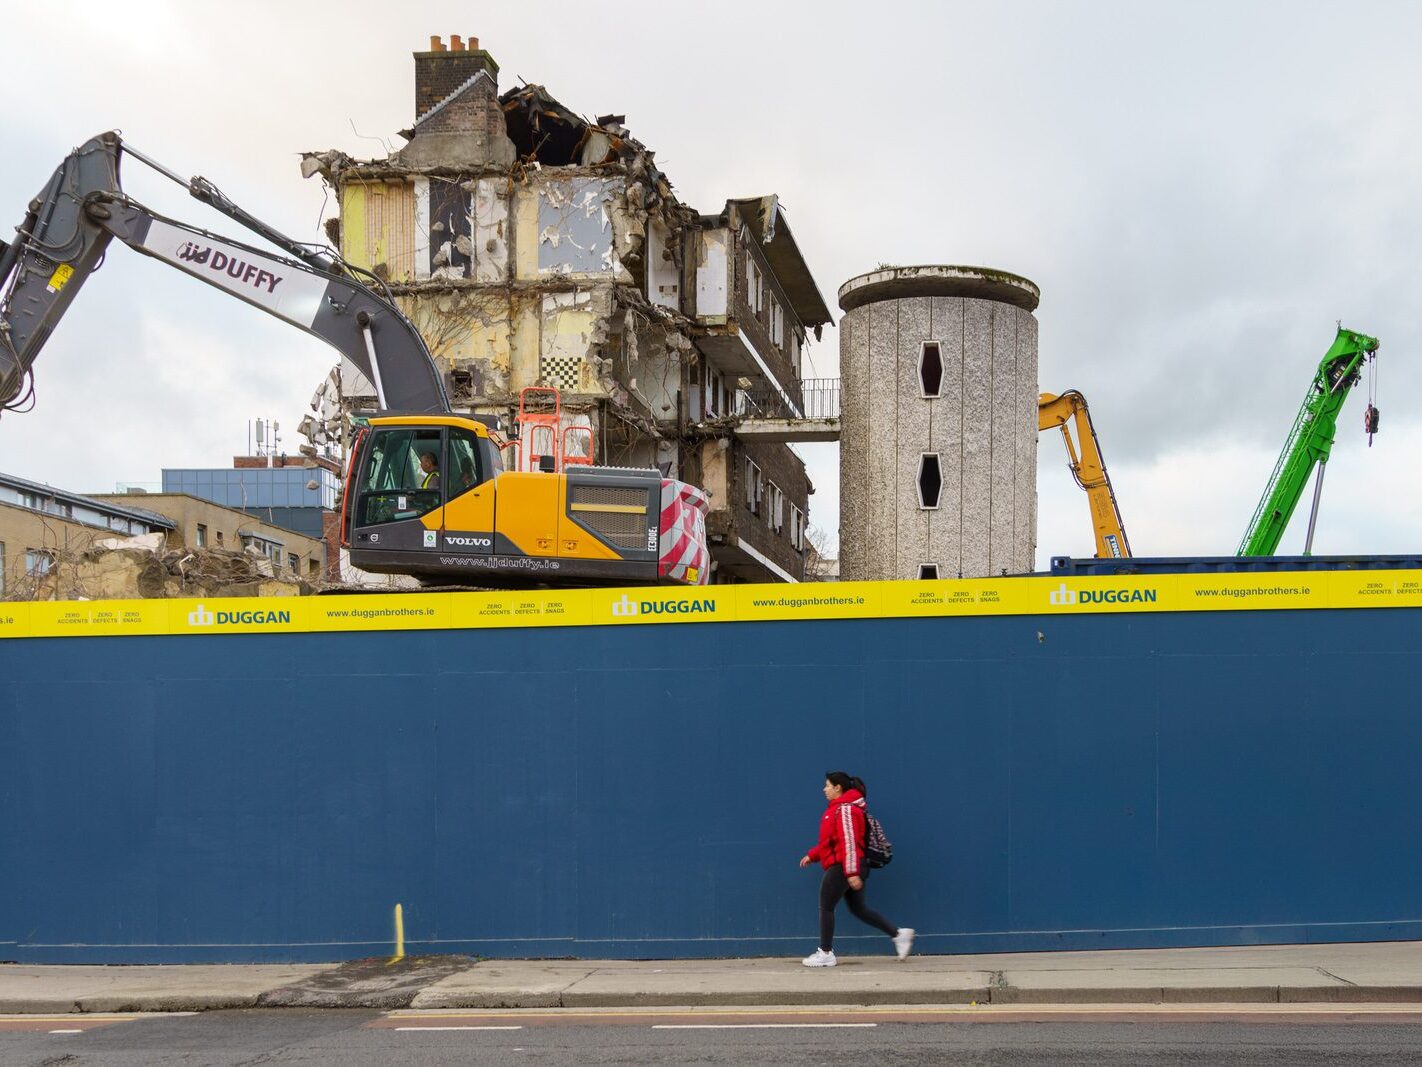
{"type": "Point", "coordinates": [797, 528]}
{"type": "Point", "coordinates": [542, 129]}
{"type": "Point", "coordinates": [928, 572]}
{"type": "Point", "coordinates": [930, 481]}
{"type": "Point", "coordinates": [755, 487]}
{"type": "Point", "coordinates": [930, 371]}
{"type": "Point", "coordinates": [775, 513]}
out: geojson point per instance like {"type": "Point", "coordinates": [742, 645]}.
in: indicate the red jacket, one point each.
{"type": "Point", "coordinates": [842, 833]}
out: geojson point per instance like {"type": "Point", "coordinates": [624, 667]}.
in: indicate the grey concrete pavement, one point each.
{"type": "Point", "coordinates": [1351, 973]}
{"type": "Point", "coordinates": [192, 988]}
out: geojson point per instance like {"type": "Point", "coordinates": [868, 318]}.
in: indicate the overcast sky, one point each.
{"type": "Point", "coordinates": [1200, 190]}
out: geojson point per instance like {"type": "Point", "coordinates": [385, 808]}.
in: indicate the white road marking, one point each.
{"type": "Point", "coordinates": [459, 1028]}
{"type": "Point", "coordinates": [763, 1026]}
{"type": "Point", "coordinates": [66, 1031]}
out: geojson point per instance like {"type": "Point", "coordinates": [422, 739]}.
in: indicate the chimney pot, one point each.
{"type": "Point", "coordinates": [473, 44]}
{"type": "Point", "coordinates": [436, 44]}
{"type": "Point", "coordinates": [456, 44]}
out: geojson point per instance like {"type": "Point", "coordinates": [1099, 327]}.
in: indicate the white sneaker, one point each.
{"type": "Point", "coordinates": [903, 942]}
{"type": "Point", "coordinates": [820, 958]}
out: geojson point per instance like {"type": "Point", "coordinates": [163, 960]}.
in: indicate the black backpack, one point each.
{"type": "Point", "coordinates": [878, 852]}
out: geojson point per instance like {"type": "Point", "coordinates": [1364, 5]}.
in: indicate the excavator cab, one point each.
{"type": "Point", "coordinates": [410, 468]}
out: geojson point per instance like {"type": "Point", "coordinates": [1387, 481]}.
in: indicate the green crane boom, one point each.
{"type": "Point", "coordinates": [1308, 444]}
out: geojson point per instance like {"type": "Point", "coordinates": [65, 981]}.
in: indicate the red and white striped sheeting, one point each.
{"type": "Point", "coordinates": [685, 558]}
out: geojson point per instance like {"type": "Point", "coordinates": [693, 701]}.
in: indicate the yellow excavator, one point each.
{"type": "Point", "coordinates": [427, 493]}
{"type": "Point", "coordinates": [1064, 413]}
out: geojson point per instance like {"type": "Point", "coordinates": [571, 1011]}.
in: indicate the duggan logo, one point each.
{"type": "Point", "coordinates": [200, 616]}
{"type": "Point", "coordinates": [1062, 597]}
{"type": "Point", "coordinates": [627, 606]}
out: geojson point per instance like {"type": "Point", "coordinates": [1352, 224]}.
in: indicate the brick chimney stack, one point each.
{"type": "Point", "coordinates": [444, 68]}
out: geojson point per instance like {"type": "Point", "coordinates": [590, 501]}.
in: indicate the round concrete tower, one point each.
{"type": "Point", "coordinates": [938, 423]}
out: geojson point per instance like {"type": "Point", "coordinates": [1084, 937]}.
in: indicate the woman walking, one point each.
{"type": "Point", "coordinates": [841, 853]}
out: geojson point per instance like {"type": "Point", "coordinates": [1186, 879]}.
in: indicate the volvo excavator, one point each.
{"type": "Point", "coordinates": [1069, 411]}
{"type": "Point", "coordinates": [426, 493]}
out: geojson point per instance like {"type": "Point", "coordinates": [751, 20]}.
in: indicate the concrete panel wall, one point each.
{"type": "Point", "coordinates": [854, 443]}
{"type": "Point", "coordinates": [913, 433]}
{"type": "Point", "coordinates": [982, 427]}
{"type": "Point", "coordinates": [271, 797]}
{"type": "Point", "coordinates": [881, 483]}
{"type": "Point", "coordinates": [977, 438]}
{"type": "Point", "coordinates": [1025, 496]}
{"type": "Point", "coordinates": [947, 436]}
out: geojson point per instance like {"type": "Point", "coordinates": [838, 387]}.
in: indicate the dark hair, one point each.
{"type": "Point", "coordinates": [840, 778]}
{"type": "Point", "coordinates": [858, 783]}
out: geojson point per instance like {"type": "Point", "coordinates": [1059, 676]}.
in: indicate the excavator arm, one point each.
{"type": "Point", "coordinates": [1069, 411]}
{"type": "Point", "coordinates": [67, 230]}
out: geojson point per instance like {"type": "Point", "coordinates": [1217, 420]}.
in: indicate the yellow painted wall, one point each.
{"type": "Point", "coordinates": [525, 214]}
{"type": "Point", "coordinates": [471, 324]}
{"type": "Point", "coordinates": [378, 227]}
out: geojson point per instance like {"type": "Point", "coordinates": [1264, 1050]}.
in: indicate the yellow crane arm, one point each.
{"type": "Point", "coordinates": [1087, 467]}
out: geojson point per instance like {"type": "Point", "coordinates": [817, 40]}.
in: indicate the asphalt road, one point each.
{"type": "Point", "coordinates": [915, 1036]}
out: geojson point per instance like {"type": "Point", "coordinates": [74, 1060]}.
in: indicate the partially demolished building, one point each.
{"type": "Point", "coordinates": [533, 247]}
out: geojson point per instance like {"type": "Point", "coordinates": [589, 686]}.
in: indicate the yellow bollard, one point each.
{"type": "Point", "coordinates": [399, 936]}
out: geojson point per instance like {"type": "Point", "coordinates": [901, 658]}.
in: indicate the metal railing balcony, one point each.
{"type": "Point", "coordinates": [816, 398]}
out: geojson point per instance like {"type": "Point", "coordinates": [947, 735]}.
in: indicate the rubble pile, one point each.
{"type": "Point", "coordinates": [120, 569]}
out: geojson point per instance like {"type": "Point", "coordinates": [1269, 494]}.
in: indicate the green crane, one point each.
{"type": "Point", "coordinates": [1309, 443]}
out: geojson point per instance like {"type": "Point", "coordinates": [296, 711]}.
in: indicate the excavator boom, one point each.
{"type": "Point", "coordinates": [1069, 411]}
{"type": "Point", "coordinates": [69, 226]}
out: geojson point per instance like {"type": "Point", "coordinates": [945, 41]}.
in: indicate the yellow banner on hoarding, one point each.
{"type": "Point", "coordinates": [1031, 595]}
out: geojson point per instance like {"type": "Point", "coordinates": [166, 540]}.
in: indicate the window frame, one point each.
{"type": "Point", "coordinates": [38, 562]}
{"type": "Point", "coordinates": [366, 496]}
{"type": "Point", "coordinates": [922, 361]}
{"type": "Point", "coordinates": [923, 458]}
{"type": "Point", "coordinates": [451, 434]}
{"type": "Point", "coordinates": [775, 511]}
{"type": "Point", "coordinates": [755, 486]}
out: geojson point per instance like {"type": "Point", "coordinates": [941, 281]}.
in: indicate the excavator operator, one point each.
{"type": "Point", "coordinates": [429, 466]}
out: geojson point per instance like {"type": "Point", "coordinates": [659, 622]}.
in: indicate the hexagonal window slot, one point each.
{"type": "Point", "coordinates": [930, 480]}
{"type": "Point", "coordinates": [930, 370]}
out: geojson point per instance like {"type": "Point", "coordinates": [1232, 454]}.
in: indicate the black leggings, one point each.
{"type": "Point", "coordinates": [835, 885]}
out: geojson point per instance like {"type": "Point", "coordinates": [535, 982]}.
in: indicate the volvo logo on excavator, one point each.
{"type": "Point", "coordinates": [468, 542]}
{"type": "Point", "coordinates": [239, 269]}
